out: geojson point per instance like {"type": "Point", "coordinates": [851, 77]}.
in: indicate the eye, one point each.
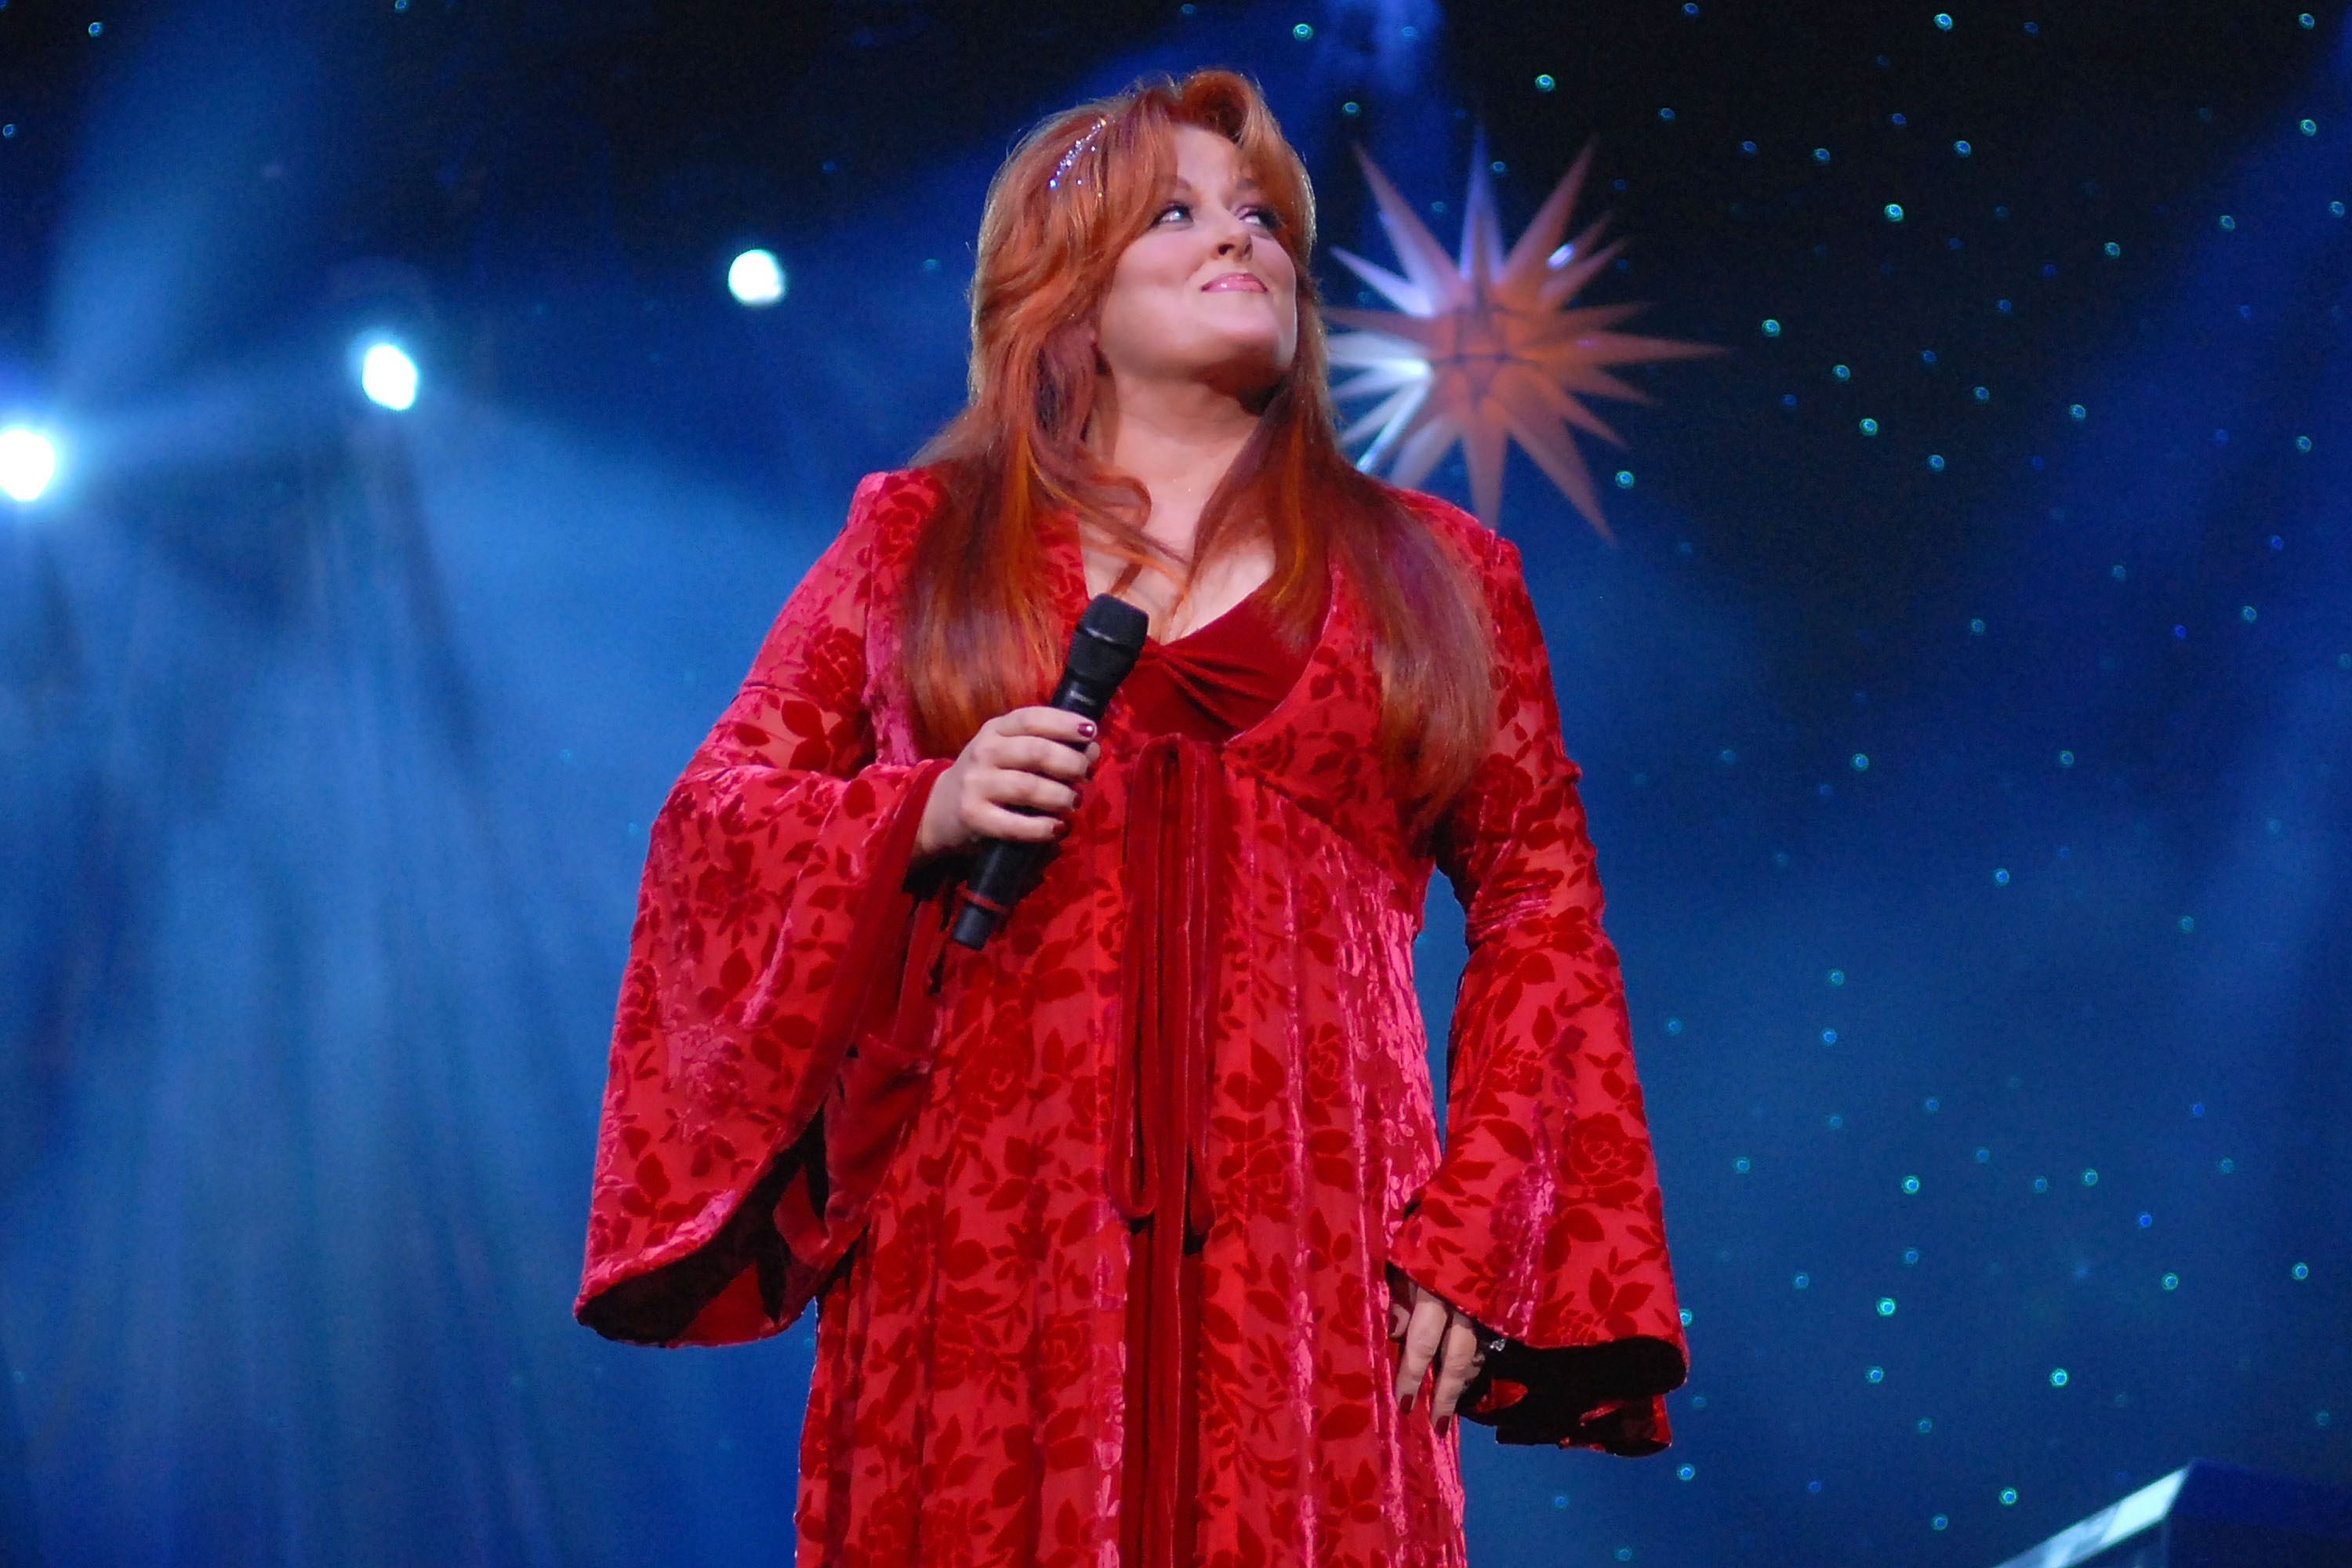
{"type": "Point", "coordinates": [1173, 209]}
{"type": "Point", "coordinates": [1265, 218]}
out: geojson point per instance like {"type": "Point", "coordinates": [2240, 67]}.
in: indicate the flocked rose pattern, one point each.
{"type": "Point", "coordinates": [968, 1402]}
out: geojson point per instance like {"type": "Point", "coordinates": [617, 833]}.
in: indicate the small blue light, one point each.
{"type": "Point", "coordinates": [1837, 976]}
{"type": "Point", "coordinates": [2000, 877]}
{"type": "Point", "coordinates": [1923, 1427]}
{"type": "Point", "coordinates": [2307, 20]}
{"type": "Point", "coordinates": [2173, 1281]}
{"type": "Point", "coordinates": [1962, 148]}
{"type": "Point", "coordinates": [1861, 762]}
{"type": "Point", "coordinates": [2188, 923]}
{"type": "Point", "coordinates": [2076, 411]}
{"type": "Point", "coordinates": [1820, 154]}
{"type": "Point", "coordinates": [1943, 1521]}
{"type": "Point", "coordinates": [2040, 1184]}
{"type": "Point", "coordinates": [2336, 207]}
{"type": "Point", "coordinates": [1893, 212]}
{"type": "Point", "coordinates": [1748, 148]}
{"type": "Point", "coordinates": [2009, 1497]}
{"type": "Point", "coordinates": [388, 377]}
{"type": "Point", "coordinates": [1741, 1165]}
{"type": "Point", "coordinates": [1943, 21]}
{"type": "Point", "coordinates": [1887, 1306]}
{"type": "Point", "coordinates": [1936, 461]}
{"type": "Point", "coordinates": [1303, 30]}
{"type": "Point", "coordinates": [1674, 1025]}
{"type": "Point", "coordinates": [2228, 222]}
{"type": "Point", "coordinates": [1875, 1374]}
{"type": "Point", "coordinates": [1624, 478]}
{"type": "Point", "coordinates": [2058, 1377]}
{"type": "Point", "coordinates": [2090, 1178]}
{"type": "Point", "coordinates": [1828, 1037]}
{"type": "Point", "coordinates": [1983, 395]}
{"type": "Point", "coordinates": [1897, 120]}
{"type": "Point", "coordinates": [1910, 1255]}
{"type": "Point", "coordinates": [1842, 373]}
{"type": "Point", "coordinates": [96, 28]}
{"type": "Point", "coordinates": [1352, 107]}
{"type": "Point", "coordinates": [2302, 443]}
{"type": "Point", "coordinates": [2147, 1220]}
{"type": "Point", "coordinates": [2113, 248]}
{"type": "Point", "coordinates": [1802, 1282]}
{"type": "Point", "coordinates": [2310, 128]}
{"type": "Point", "coordinates": [1686, 1472]}
{"type": "Point", "coordinates": [1666, 114]}
{"type": "Point", "coordinates": [2301, 1271]}
{"type": "Point", "coordinates": [1911, 1185]}
{"type": "Point", "coordinates": [1976, 628]}
{"type": "Point", "coordinates": [1545, 83]}
{"type": "Point", "coordinates": [2002, 306]}
{"type": "Point", "coordinates": [1870, 427]}
{"type": "Point", "coordinates": [2065, 759]}
{"type": "Point", "coordinates": [1771, 327]}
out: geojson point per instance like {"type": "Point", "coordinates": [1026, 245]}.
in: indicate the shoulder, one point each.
{"type": "Point", "coordinates": [887, 513]}
{"type": "Point", "coordinates": [1492, 557]}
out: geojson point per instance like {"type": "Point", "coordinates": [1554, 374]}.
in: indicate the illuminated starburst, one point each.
{"type": "Point", "coordinates": [1485, 350]}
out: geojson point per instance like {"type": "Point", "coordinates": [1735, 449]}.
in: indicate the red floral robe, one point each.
{"type": "Point", "coordinates": [1098, 1217]}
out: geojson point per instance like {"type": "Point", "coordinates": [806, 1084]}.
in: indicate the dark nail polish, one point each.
{"type": "Point", "coordinates": [1087, 728]}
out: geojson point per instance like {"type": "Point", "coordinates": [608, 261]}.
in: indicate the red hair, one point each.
{"type": "Point", "coordinates": [980, 637]}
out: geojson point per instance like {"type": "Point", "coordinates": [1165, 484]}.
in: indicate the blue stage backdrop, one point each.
{"type": "Point", "coordinates": [1965, 707]}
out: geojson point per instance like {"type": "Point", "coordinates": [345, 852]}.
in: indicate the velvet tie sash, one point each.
{"type": "Point", "coordinates": [1158, 1125]}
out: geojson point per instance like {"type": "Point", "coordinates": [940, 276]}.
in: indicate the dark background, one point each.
{"type": "Point", "coordinates": [1981, 826]}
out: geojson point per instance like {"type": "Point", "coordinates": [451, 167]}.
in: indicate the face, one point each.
{"type": "Point", "coordinates": [1207, 294]}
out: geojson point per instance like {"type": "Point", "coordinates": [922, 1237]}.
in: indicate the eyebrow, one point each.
{"type": "Point", "coordinates": [1246, 183]}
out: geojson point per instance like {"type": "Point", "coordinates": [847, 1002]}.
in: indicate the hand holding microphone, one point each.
{"type": "Point", "coordinates": [1020, 774]}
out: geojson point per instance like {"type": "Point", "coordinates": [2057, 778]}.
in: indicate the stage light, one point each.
{"type": "Point", "coordinates": [756, 278]}
{"type": "Point", "coordinates": [388, 377]}
{"type": "Point", "coordinates": [28, 460]}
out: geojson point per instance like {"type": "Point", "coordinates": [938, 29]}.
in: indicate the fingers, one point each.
{"type": "Point", "coordinates": [1047, 723]}
{"type": "Point", "coordinates": [1457, 1363]}
{"type": "Point", "coordinates": [1425, 1335]}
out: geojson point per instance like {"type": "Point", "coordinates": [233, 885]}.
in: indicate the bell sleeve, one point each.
{"type": "Point", "coordinates": [1542, 1220]}
{"type": "Point", "coordinates": [763, 1036]}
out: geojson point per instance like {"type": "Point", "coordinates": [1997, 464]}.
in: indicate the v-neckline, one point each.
{"type": "Point", "coordinates": [1075, 595]}
{"type": "Point", "coordinates": [1221, 615]}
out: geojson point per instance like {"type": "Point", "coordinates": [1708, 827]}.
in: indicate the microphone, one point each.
{"type": "Point", "coordinates": [1102, 650]}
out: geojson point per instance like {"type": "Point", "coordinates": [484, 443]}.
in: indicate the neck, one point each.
{"type": "Point", "coordinates": [1176, 440]}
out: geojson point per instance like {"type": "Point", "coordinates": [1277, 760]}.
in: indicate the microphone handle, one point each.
{"type": "Point", "coordinates": [1002, 867]}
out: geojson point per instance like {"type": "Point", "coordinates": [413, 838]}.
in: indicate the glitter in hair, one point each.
{"type": "Point", "coordinates": [1070, 157]}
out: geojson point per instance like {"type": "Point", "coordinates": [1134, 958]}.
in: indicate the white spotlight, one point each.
{"type": "Point", "coordinates": [388, 377]}
{"type": "Point", "coordinates": [757, 279]}
{"type": "Point", "coordinates": [27, 462]}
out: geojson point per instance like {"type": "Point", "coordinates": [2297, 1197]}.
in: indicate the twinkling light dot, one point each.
{"type": "Point", "coordinates": [1910, 1183]}
{"type": "Point", "coordinates": [1624, 1554]}
{"type": "Point", "coordinates": [1861, 762]}
{"type": "Point", "coordinates": [2302, 443]}
{"type": "Point", "coordinates": [1690, 7]}
{"type": "Point", "coordinates": [2065, 759]}
{"type": "Point", "coordinates": [1771, 327]}
{"type": "Point", "coordinates": [1813, 1487]}
{"type": "Point", "coordinates": [1936, 461]}
{"type": "Point", "coordinates": [96, 28]}
{"type": "Point", "coordinates": [2307, 20]}
{"type": "Point", "coordinates": [1923, 1427]}
{"type": "Point", "coordinates": [2002, 306]}
{"type": "Point", "coordinates": [2228, 222]}
{"type": "Point", "coordinates": [1802, 1281]}
{"type": "Point", "coordinates": [2180, 634]}
{"type": "Point", "coordinates": [1820, 154]}
{"type": "Point", "coordinates": [2173, 1281]}
{"type": "Point", "coordinates": [2310, 128]}
{"type": "Point", "coordinates": [1741, 1165]}
{"type": "Point", "coordinates": [1687, 1471]}
{"type": "Point", "coordinates": [1875, 1374]}
{"type": "Point", "coordinates": [2247, 613]}
{"type": "Point", "coordinates": [2336, 207]}
{"type": "Point", "coordinates": [2058, 1377]}
{"type": "Point", "coordinates": [1910, 1255]}
{"type": "Point", "coordinates": [2187, 922]}
{"type": "Point", "coordinates": [1843, 372]}
{"type": "Point", "coordinates": [1943, 21]}
{"type": "Point", "coordinates": [2300, 1270]}
{"type": "Point", "coordinates": [1933, 1106]}
{"type": "Point", "coordinates": [2076, 411]}
{"type": "Point", "coordinates": [1303, 30]}
{"type": "Point", "coordinates": [1559, 1500]}
{"type": "Point", "coordinates": [1352, 107]}
{"type": "Point", "coordinates": [1897, 120]}
{"type": "Point", "coordinates": [2000, 877]}
{"type": "Point", "coordinates": [1828, 1037]}
{"type": "Point", "coordinates": [1686, 1317]}
{"type": "Point", "coordinates": [2113, 248]}
{"type": "Point", "coordinates": [756, 278]}
{"type": "Point", "coordinates": [388, 377]}
{"type": "Point", "coordinates": [1545, 83]}
{"type": "Point", "coordinates": [1624, 478]}
{"type": "Point", "coordinates": [1943, 1521]}
{"type": "Point", "coordinates": [2090, 1178]}
{"type": "Point", "coordinates": [2147, 1220]}
{"type": "Point", "coordinates": [2040, 1184]}
{"type": "Point", "coordinates": [2117, 572]}
{"type": "Point", "coordinates": [2226, 1166]}
{"type": "Point", "coordinates": [1837, 976]}
{"type": "Point", "coordinates": [1894, 212]}
{"type": "Point", "coordinates": [1748, 148]}
{"type": "Point", "coordinates": [1674, 1025]}
{"type": "Point", "coordinates": [1976, 628]}
{"type": "Point", "coordinates": [1962, 148]}
{"type": "Point", "coordinates": [2009, 1497]}
{"type": "Point", "coordinates": [1837, 1122]}
{"type": "Point", "coordinates": [1887, 1306]}
{"type": "Point", "coordinates": [1870, 427]}
{"type": "Point", "coordinates": [1666, 114]}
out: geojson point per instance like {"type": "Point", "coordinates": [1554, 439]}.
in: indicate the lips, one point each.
{"type": "Point", "coordinates": [1234, 283]}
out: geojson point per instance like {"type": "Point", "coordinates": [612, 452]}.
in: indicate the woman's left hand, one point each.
{"type": "Point", "coordinates": [1433, 1331]}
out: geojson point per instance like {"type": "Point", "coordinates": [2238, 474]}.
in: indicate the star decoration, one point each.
{"type": "Point", "coordinates": [1486, 350]}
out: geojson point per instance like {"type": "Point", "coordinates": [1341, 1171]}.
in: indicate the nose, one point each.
{"type": "Point", "coordinates": [1235, 237]}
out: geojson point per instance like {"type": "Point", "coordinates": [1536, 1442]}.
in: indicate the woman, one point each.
{"type": "Point", "coordinates": [1131, 1234]}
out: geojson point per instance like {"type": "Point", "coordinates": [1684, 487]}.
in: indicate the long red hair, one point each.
{"type": "Point", "coordinates": [980, 635]}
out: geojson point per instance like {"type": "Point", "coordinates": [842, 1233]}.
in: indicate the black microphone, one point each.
{"type": "Point", "coordinates": [1102, 650]}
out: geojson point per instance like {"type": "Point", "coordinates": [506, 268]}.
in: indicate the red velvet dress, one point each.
{"type": "Point", "coordinates": [1098, 1218]}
